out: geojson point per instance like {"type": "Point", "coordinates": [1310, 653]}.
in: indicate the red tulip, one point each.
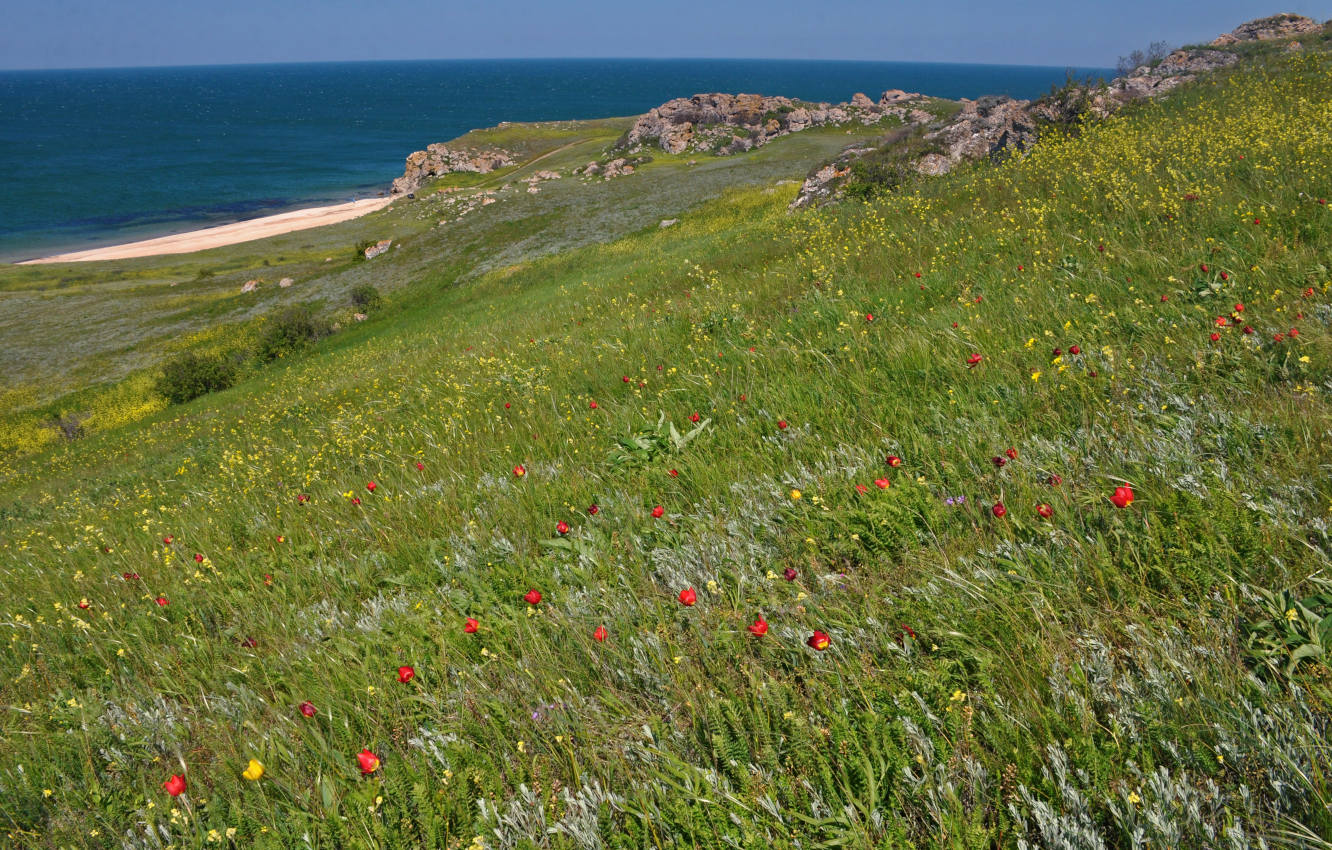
{"type": "Point", "coordinates": [129, 576]}
{"type": "Point", "coordinates": [302, 498]}
{"type": "Point", "coordinates": [519, 471]}
{"type": "Point", "coordinates": [1123, 496]}
{"type": "Point", "coordinates": [694, 417]}
{"type": "Point", "coordinates": [1248, 329]}
{"type": "Point", "coordinates": [917, 274]}
{"type": "Point", "coordinates": [1012, 453]}
{"type": "Point", "coordinates": [419, 466]}
{"type": "Point", "coordinates": [973, 360]}
{"type": "Point", "coordinates": [1057, 352]}
{"type": "Point", "coordinates": [658, 512]}
{"type": "Point", "coordinates": [175, 786]}
{"type": "Point", "coordinates": [869, 317]}
{"type": "Point", "coordinates": [1020, 268]}
{"type": "Point", "coordinates": [1293, 332]}
{"type": "Point", "coordinates": [674, 473]}
{"type": "Point", "coordinates": [819, 640]}
{"type": "Point", "coordinates": [533, 597]}
{"type": "Point", "coordinates": [371, 486]}
{"type": "Point", "coordinates": [894, 461]}
{"type": "Point", "coordinates": [1221, 321]}
{"type": "Point", "coordinates": [561, 528]}
{"type": "Point", "coordinates": [862, 489]}
{"type": "Point", "coordinates": [307, 708]}
{"type": "Point", "coordinates": [882, 483]}
{"type": "Point", "coordinates": [368, 761]}
{"type": "Point", "coordinates": [999, 510]}
{"type": "Point", "coordinates": [593, 510]}
{"type": "Point", "coordinates": [85, 604]}
{"type": "Point", "coordinates": [781, 424]}
{"type": "Point", "coordinates": [470, 626]}
{"type": "Point", "coordinates": [507, 405]}
{"type": "Point", "coordinates": [1055, 479]}
{"type": "Point", "coordinates": [162, 601]}
{"type": "Point", "coordinates": [790, 574]}
{"type": "Point", "coordinates": [167, 540]}
{"type": "Point", "coordinates": [198, 558]}
{"type": "Point", "coordinates": [1278, 337]}
{"type": "Point", "coordinates": [1215, 336]}
{"type": "Point", "coordinates": [688, 597]}
{"type": "Point", "coordinates": [759, 627]}
{"type": "Point", "coordinates": [406, 674]}
{"type": "Point", "coordinates": [998, 461]}
{"type": "Point", "coordinates": [1045, 510]}
{"type": "Point", "coordinates": [1239, 308]}
{"type": "Point", "coordinates": [625, 378]}
{"type": "Point", "coordinates": [600, 634]}
{"type": "Point", "coordinates": [1202, 266]}
{"type": "Point", "coordinates": [1073, 349]}
{"type": "Point", "coordinates": [356, 500]}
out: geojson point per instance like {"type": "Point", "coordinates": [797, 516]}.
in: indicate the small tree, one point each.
{"type": "Point", "coordinates": [191, 375]}
{"type": "Point", "coordinates": [366, 298]}
{"type": "Point", "coordinates": [293, 329]}
{"type": "Point", "coordinates": [1155, 52]}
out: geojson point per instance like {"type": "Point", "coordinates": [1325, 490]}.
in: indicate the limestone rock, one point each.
{"type": "Point", "coordinates": [285, 282]}
{"type": "Point", "coordinates": [378, 248]}
{"type": "Point", "coordinates": [250, 286]}
{"type": "Point", "coordinates": [1264, 29]}
{"type": "Point", "coordinates": [732, 123]}
{"type": "Point", "coordinates": [439, 159]}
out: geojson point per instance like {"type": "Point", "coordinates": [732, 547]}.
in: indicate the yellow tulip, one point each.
{"type": "Point", "coordinates": [255, 771]}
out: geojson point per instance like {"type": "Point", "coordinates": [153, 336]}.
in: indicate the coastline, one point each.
{"type": "Point", "coordinates": [225, 234]}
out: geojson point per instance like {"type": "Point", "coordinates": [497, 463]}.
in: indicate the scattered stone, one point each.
{"type": "Point", "coordinates": [667, 222]}
{"type": "Point", "coordinates": [285, 282]}
{"type": "Point", "coordinates": [250, 286]}
{"type": "Point", "coordinates": [360, 317]}
{"type": "Point", "coordinates": [378, 248]}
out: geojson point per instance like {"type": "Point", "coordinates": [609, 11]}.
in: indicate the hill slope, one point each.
{"type": "Point", "coordinates": [848, 425]}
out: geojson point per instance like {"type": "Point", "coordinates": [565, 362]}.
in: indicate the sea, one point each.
{"type": "Point", "coordinates": [99, 157]}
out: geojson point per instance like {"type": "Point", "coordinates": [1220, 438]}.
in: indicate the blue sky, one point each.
{"type": "Point", "coordinates": [103, 33]}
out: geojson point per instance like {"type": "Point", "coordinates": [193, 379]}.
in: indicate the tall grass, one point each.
{"type": "Point", "coordinates": [1071, 681]}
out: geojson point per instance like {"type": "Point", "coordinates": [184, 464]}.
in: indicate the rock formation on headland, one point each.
{"type": "Point", "coordinates": [724, 124]}
{"type": "Point", "coordinates": [439, 159]}
{"type": "Point", "coordinates": [732, 123]}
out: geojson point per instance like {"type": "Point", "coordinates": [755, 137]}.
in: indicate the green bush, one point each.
{"type": "Point", "coordinates": [366, 298]}
{"type": "Point", "coordinates": [293, 329]}
{"type": "Point", "coordinates": [192, 375]}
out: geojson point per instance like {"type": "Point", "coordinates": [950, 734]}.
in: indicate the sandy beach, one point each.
{"type": "Point", "coordinates": [226, 234]}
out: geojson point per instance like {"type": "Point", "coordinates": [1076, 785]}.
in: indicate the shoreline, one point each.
{"type": "Point", "coordinates": [224, 234]}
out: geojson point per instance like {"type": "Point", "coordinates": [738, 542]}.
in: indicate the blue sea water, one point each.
{"type": "Point", "coordinates": [99, 157]}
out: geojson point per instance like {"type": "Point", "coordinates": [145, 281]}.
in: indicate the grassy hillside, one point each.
{"type": "Point", "coordinates": [846, 423]}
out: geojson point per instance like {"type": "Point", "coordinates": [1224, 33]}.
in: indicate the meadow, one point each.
{"type": "Point", "coordinates": [993, 512]}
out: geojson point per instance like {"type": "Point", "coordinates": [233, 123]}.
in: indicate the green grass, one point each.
{"type": "Point", "coordinates": [1070, 682]}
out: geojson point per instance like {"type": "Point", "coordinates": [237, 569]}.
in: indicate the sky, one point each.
{"type": "Point", "coordinates": [115, 33]}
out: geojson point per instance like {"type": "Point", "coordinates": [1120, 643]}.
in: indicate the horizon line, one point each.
{"type": "Point", "coordinates": [294, 63]}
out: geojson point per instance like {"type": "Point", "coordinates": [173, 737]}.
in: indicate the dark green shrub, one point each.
{"type": "Point", "coordinates": [366, 298]}
{"type": "Point", "coordinates": [293, 329]}
{"type": "Point", "coordinates": [191, 375]}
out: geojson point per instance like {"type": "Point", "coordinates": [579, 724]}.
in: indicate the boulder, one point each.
{"type": "Point", "coordinates": [285, 282]}
{"type": "Point", "coordinates": [250, 286]}
{"type": "Point", "coordinates": [378, 248]}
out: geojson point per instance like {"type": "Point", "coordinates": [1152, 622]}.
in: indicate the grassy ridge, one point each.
{"type": "Point", "coordinates": [1076, 681]}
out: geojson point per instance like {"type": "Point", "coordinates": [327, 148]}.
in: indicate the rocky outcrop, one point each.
{"type": "Point", "coordinates": [378, 248]}
{"type": "Point", "coordinates": [618, 167]}
{"type": "Point", "coordinates": [439, 159]}
{"type": "Point", "coordinates": [996, 126]}
{"type": "Point", "coordinates": [1264, 29]}
{"type": "Point", "coordinates": [732, 123]}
